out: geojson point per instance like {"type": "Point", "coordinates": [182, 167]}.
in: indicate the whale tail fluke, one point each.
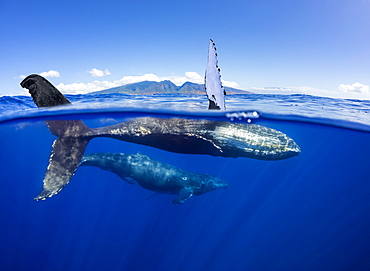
{"type": "Point", "coordinates": [69, 147]}
{"type": "Point", "coordinates": [43, 93]}
{"type": "Point", "coordinates": [64, 160]}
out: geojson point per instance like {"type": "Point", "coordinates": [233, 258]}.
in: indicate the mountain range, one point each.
{"type": "Point", "coordinates": [152, 87]}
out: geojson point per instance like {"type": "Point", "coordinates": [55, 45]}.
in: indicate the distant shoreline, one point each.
{"type": "Point", "coordinates": [164, 87]}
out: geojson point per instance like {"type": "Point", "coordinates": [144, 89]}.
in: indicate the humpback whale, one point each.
{"type": "Point", "coordinates": [153, 175]}
{"type": "Point", "coordinates": [179, 135]}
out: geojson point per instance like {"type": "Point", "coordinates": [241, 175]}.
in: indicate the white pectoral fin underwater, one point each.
{"type": "Point", "coordinates": [178, 135]}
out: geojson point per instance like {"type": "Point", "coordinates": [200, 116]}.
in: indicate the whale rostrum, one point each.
{"type": "Point", "coordinates": [153, 175]}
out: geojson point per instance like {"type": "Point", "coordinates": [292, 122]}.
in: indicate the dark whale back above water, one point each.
{"type": "Point", "coordinates": [180, 135]}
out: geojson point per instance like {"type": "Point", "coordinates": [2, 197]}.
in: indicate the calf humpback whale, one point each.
{"type": "Point", "coordinates": [153, 175]}
{"type": "Point", "coordinates": [179, 135]}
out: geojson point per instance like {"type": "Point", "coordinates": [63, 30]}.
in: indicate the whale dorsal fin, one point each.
{"type": "Point", "coordinates": [184, 194]}
{"type": "Point", "coordinates": [214, 89]}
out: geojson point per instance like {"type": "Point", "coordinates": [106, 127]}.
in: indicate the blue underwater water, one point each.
{"type": "Point", "coordinates": [308, 212]}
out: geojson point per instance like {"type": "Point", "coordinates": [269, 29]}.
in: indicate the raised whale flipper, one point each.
{"type": "Point", "coordinates": [184, 194]}
{"type": "Point", "coordinates": [69, 147]}
{"type": "Point", "coordinates": [214, 89]}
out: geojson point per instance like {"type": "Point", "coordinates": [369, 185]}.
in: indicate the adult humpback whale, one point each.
{"type": "Point", "coordinates": [150, 174]}
{"type": "Point", "coordinates": [180, 135]}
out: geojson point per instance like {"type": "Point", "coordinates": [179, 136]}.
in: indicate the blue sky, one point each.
{"type": "Point", "coordinates": [312, 46]}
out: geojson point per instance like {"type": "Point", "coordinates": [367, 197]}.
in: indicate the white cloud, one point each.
{"type": "Point", "coordinates": [99, 73]}
{"type": "Point", "coordinates": [231, 84]}
{"type": "Point", "coordinates": [194, 77]}
{"type": "Point", "coordinates": [356, 88]}
{"type": "Point", "coordinates": [50, 73]}
{"type": "Point", "coordinates": [138, 78]}
{"type": "Point", "coordinates": [81, 88]}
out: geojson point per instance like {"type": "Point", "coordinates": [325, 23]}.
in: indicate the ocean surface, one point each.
{"type": "Point", "coordinates": [308, 212]}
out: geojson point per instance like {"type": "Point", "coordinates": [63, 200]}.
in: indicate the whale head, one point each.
{"type": "Point", "coordinates": [209, 184]}
{"type": "Point", "coordinates": [253, 141]}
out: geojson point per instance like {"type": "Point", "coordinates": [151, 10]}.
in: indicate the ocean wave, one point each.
{"type": "Point", "coordinates": [354, 114]}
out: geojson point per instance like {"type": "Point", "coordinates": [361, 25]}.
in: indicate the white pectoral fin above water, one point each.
{"type": "Point", "coordinates": [214, 89]}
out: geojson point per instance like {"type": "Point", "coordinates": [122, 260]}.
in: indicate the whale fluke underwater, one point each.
{"type": "Point", "coordinates": [179, 135]}
{"type": "Point", "coordinates": [153, 175]}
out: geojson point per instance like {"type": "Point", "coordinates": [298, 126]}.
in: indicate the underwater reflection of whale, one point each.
{"type": "Point", "coordinates": [150, 174]}
{"type": "Point", "coordinates": [180, 135]}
